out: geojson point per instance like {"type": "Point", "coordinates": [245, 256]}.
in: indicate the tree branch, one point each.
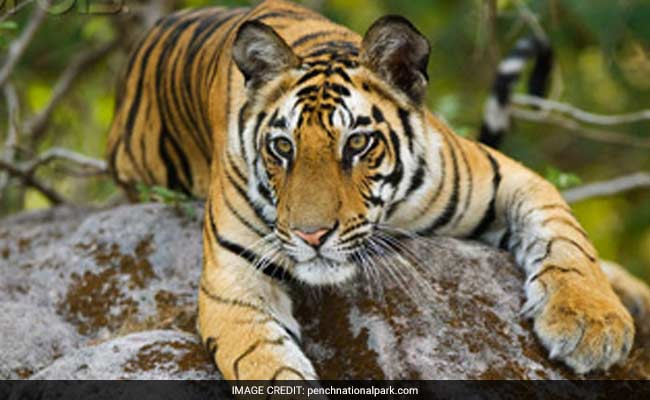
{"type": "Point", "coordinates": [36, 126]}
{"type": "Point", "coordinates": [530, 18]}
{"type": "Point", "coordinates": [547, 105]}
{"type": "Point", "coordinates": [18, 47]}
{"type": "Point", "coordinates": [11, 140]}
{"type": "Point", "coordinates": [30, 180]}
{"type": "Point", "coordinates": [57, 153]}
{"type": "Point", "coordinates": [589, 133]}
{"type": "Point", "coordinates": [14, 11]}
{"type": "Point", "coordinates": [608, 188]}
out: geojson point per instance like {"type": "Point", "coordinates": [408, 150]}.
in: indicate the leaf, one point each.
{"type": "Point", "coordinates": [8, 25]}
{"type": "Point", "coordinates": [561, 179]}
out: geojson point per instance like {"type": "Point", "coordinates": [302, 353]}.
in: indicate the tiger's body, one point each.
{"type": "Point", "coordinates": [307, 142]}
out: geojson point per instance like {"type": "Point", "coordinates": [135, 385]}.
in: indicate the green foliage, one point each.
{"type": "Point", "coordinates": [182, 202]}
{"type": "Point", "coordinates": [6, 26]}
{"type": "Point", "coordinates": [561, 179]}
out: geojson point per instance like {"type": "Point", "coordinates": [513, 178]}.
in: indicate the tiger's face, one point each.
{"type": "Point", "coordinates": [335, 152]}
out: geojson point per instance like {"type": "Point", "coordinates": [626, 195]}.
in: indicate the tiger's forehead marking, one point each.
{"type": "Point", "coordinates": [326, 101]}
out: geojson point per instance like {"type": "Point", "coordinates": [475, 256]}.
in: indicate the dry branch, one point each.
{"type": "Point", "coordinates": [57, 153]}
{"type": "Point", "coordinates": [18, 47]}
{"type": "Point", "coordinates": [548, 106]}
{"type": "Point", "coordinates": [30, 180]}
{"type": "Point", "coordinates": [13, 11]}
{"type": "Point", "coordinates": [579, 129]}
{"type": "Point", "coordinates": [608, 188]}
{"type": "Point", "coordinates": [11, 140]}
{"type": "Point", "coordinates": [531, 19]}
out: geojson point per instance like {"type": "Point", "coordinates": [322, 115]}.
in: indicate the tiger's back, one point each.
{"type": "Point", "coordinates": [181, 90]}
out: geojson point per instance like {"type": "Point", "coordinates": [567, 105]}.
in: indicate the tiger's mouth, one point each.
{"type": "Point", "coordinates": [321, 271]}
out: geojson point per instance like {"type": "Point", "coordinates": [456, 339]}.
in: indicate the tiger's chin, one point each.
{"type": "Point", "coordinates": [320, 272]}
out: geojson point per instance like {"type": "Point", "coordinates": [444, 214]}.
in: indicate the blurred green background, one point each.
{"type": "Point", "coordinates": [602, 65]}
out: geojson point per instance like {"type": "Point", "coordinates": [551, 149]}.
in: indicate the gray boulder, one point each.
{"type": "Point", "coordinates": [107, 294]}
{"type": "Point", "coordinates": [151, 355]}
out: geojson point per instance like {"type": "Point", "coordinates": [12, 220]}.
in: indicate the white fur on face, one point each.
{"type": "Point", "coordinates": [322, 272]}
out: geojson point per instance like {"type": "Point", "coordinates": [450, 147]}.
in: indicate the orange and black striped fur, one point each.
{"type": "Point", "coordinates": [312, 146]}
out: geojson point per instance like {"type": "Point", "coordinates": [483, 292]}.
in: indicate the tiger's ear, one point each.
{"type": "Point", "coordinates": [260, 54]}
{"type": "Point", "coordinates": [396, 51]}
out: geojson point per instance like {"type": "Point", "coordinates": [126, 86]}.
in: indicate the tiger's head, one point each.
{"type": "Point", "coordinates": [334, 140]}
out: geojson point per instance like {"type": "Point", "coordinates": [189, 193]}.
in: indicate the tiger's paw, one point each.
{"type": "Point", "coordinates": [587, 330]}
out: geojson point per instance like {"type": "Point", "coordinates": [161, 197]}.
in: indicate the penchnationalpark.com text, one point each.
{"type": "Point", "coordinates": [304, 391]}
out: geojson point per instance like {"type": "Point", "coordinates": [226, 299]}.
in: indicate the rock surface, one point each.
{"type": "Point", "coordinates": [88, 294]}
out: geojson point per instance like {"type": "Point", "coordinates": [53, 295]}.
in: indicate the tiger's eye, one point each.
{"type": "Point", "coordinates": [357, 143]}
{"type": "Point", "coordinates": [283, 147]}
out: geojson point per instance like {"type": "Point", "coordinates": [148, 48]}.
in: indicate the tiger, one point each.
{"type": "Point", "coordinates": [308, 141]}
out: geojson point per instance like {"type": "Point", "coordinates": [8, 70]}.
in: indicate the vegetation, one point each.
{"type": "Point", "coordinates": [60, 94]}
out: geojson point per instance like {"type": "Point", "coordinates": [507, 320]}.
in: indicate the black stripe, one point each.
{"type": "Point", "coordinates": [549, 248]}
{"type": "Point", "coordinates": [503, 243]}
{"type": "Point", "coordinates": [406, 125]}
{"type": "Point", "coordinates": [311, 36]}
{"type": "Point", "coordinates": [234, 167]}
{"type": "Point", "coordinates": [378, 115]}
{"type": "Point", "coordinates": [251, 349]}
{"type": "Point", "coordinates": [452, 204]}
{"type": "Point", "coordinates": [559, 206]}
{"type": "Point", "coordinates": [395, 177]}
{"type": "Point", "coordinates": [443, 176]}
{"type": "Point", "coordinates": [469, 184]}
{"type": "Point", "coordinates": [289, 14]}
{"type": "Point", "coordinates": [556, 268]}
{"type": "Point", "coordinates": [240, 217]}
{"type": "Point", "coordinates": [212, 347]}
{"type": "Point", "coordinates": [240, 128]}
{"type": "Point", "coordinates": [309, 74]}
{"type": "Point", "coordinates": [242, 192]}
{"type": "Point", "coordinates": [418, 177]}
{"type": "Point", "coordinates": [173, 181]}
{"type": "Point", "coordinates": [361, 120]}
{"type": "Point", "coordinates": [490, 212]}
{"type": "Point", "coordinates": [340, 89]}
{"type": "Point", "coordinates": [565, 221]}
{"type": "Point", "coordinates": [272, 270]}
{"type": "Point", "coordinates": [137, 98]}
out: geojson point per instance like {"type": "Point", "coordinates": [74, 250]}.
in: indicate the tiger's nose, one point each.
{"type": "Point", "coordinates": [314, 237]}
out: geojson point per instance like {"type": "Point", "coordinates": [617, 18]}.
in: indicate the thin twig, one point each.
{"type": "Point", "coordinates": [530, 18]}
{"type": "Point", "coordinates": [548, 105]}
{"type": "Point", "coordinates": [580, 130]}
{"type": "Point", "coordinates": [18, 46]}
{"type": "Point", "coordinates": [58, 153]}
{"type": "Point", "coordinates": [608, 188]}
{"type": "Point", "coordinates": [36, 127]}
{"type": "Point", "coordinates": [11, 140]}
{"type": "Point", "coordinates": [30, 180]}
{"type": "Point", "coordinates": [14, 11]}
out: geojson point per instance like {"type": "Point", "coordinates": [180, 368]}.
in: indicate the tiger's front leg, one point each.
{"type": "Point", "coordinates": [577, 316]}
{"type": "Point", "coordinates": [247, 339]}
{"type": "Point", "coordinates": [576, 313]}
{"type": "Point", "coordinates": [245, 318]}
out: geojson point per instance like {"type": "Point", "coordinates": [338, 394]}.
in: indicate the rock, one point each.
{"type": "Point", "coordinates": [103, 272]}
{"type": "Point", "coordinates": [153, 355]}
{"type": "Point", "coordinates": [31, 339]}
{"type": "Point", "coordinates": [104, 294]}
{"type": "Point", "coordinates": [468, 327]}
